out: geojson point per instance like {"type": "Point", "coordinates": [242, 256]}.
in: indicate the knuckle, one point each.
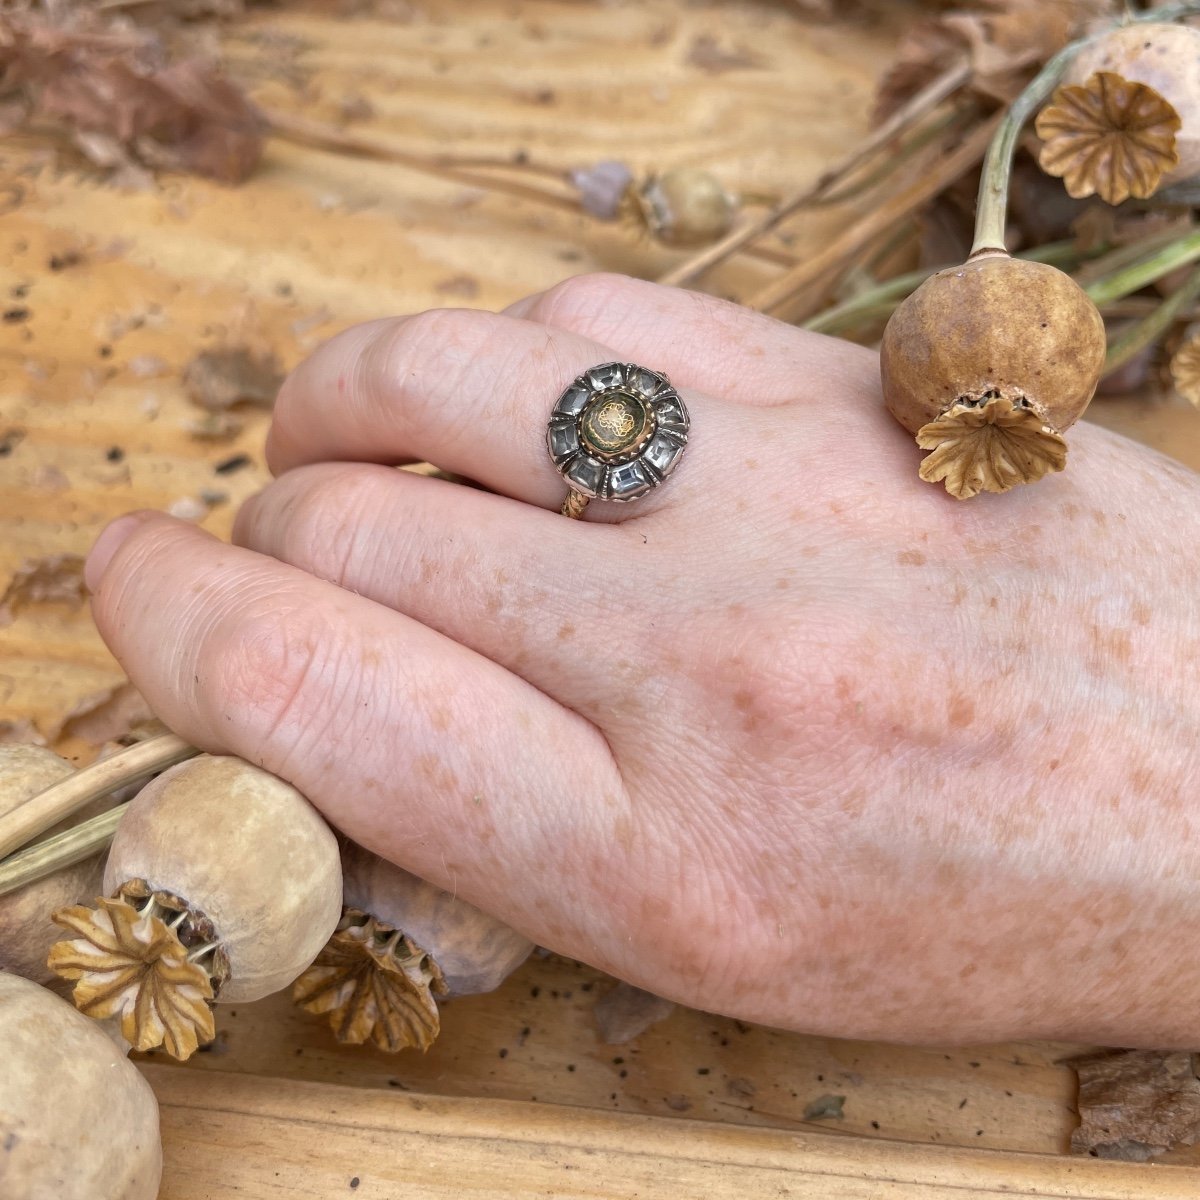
{"type": "Point", "coordinates": [255, 673]}
{"type": "Point", "coordinates": [322, 516]}
{"type": "Point", "coordinates": [584, 300]}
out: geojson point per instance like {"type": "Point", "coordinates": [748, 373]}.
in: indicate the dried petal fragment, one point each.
{"type": "Point", "coordinates": [1136, 1104]}
{"type": "Point", "coordinates": [376, 985]}
{"type": "Point", "coordinates": [55, 579]}
{"type": "Point", "coordinates": [1185, 370]}
{"type": "Point", "coordinates": [130, 964]}
{"type": "Point", "coordinates": [989, 446]}
{"type": "Point", "coordinates": [1110, 137]}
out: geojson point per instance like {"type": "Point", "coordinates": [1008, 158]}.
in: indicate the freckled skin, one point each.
{"type": "Point", "coordinates": [936, 801]}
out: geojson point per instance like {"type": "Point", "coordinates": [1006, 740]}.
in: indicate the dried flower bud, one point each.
{"type": "Point", "coordinates": [1110, 137]}
{"type": "Point", "coordinates": [1185, 367]}
{"type": "Point", "coordinates": [602, 188]}
{"type": "Point", "coordinates": [1165, 57]}
{"type": "Point", "coordinates": [686, 206]}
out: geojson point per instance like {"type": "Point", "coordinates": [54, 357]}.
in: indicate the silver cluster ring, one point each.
{"type": "Point", "coordinates": [616, 433]}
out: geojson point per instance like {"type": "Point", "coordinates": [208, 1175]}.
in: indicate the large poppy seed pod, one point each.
{"type": "Point", "coordinates": [222, 883]}
{"type": "Point", "coordinates": [26, 930]}
{"type": "Point", "coordinates": [401, 943]}
{"type": "Point", "coordinates": [1164, 57]}
{"type": "Point", "coordinates": [988, 363]}
{"type": "Point", "coordinates": [77, 1120]}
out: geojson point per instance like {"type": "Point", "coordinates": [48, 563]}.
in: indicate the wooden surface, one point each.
{"type": "Point", "coordinates": [94, 421]}
{"type": "Point", "coordinates": [255, 1137]}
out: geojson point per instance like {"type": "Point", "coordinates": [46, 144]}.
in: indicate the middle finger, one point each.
{"type": "Point", "coordinates": [470, 392]}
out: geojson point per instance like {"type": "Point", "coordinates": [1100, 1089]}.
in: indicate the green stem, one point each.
{"type": "Point", "coordinates": [992, 207]}
{"type": "Point", "coordinates": [62, 850]}
{"type": "Point", "coordinates": [1150, 328]}
{"type": "Point", "coordinates": [881, 300]}
{"type": "Point", "coordinates": [1145, 270]}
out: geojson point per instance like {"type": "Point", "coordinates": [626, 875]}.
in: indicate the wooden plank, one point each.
{"type": "Point", "coordinates": [536, 1040]}
{"type": "Point", "coordinates": [228, 1136]}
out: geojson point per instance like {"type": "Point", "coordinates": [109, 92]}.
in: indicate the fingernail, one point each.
{"type": "Point", "coordinates": [107, 544]}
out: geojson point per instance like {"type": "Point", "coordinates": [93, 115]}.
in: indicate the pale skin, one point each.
{"type": "Point", "coordinates": [798, 738]}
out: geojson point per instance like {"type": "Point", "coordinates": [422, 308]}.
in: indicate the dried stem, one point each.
{"type": "Point", "coordinates": [1145, 269]}
{"type": "Point", "coordinates": [57, 802]}
{"type": "Point", "coordinates": [780, 298]}
{"type": "Point", "coordinates": [992, 208]}
{"type": "Point", "coordinates": [1150, 328]}
{"type": "Point", "coordinates": [922, 103]}
{"type": "Point", "coordinates": [63, 850]}
{"type": "Point", "coordinates": [329, 137]}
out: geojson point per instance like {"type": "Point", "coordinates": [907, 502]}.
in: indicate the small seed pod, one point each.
{"type": "Point", "coordinates": [988, 363]}
{"type": "Point", "coordinates": [1164, 57]}
{"type": "Point", "coordinates": [401, 943]}
{"type": "Point", "coordinates": [77, 1120]}
{"type": "Point", "coordinates": [26, 930]}
{"type": "Point", "coordinates": [686, 206]}
{"type": "Point", "coordinates": [222, 883]}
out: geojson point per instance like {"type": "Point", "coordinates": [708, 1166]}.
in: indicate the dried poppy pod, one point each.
{"type": "Point", "coordinates": [1164, 57]}
{"type": "Point", "coordinates": [401, 943]}
{"type": "Point", "coordinates": [222, 883]}
{"type": "Point", "coordinates": [26, 930]}
{"type": "Point", "coordinates": [988, 363]}
{"type": "Point", "coordinates": [685, 206]}
{"type": "Point", "coordinates": [77, 1120]}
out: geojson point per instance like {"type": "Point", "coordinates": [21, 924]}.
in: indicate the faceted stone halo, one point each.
{"type": "Point", "coordinates": [617, 431]}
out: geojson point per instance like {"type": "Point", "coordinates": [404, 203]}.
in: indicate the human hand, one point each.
{"type": "Point", "coordinates": [796, 738]}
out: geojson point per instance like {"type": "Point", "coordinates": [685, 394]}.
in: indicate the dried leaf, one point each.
{"type": "Point", "coordinates": [20, 730]}
{"type": "Point", "coordinates": [989, 447]}
{"type": "Point", "coordinates": [1108, 137]}
{"type": "Point", "coordinates": [116, 90]}
{"type": "Point", "coordinates": [130, 965]}
{"type": "Point", "coordinates": [710, 55]}
{"type": "Point", "coordinates": [55, 579]}
{"type": "Point", "coordinates": [219, 379]}
{"type": "Point", "coordinates": [376, 985]}
{"type": "Point", "coordinates": [825, 1108]}
{"type": "Point", "coordinates": [106, 716]}
{"type": "Point", "coordinates": [1185, 369]}
{"type": "Point", "coordinates": [1006, 41]}
{"type": "Point", "coordinates": [1136, 1104]}
{"type": "Point", "coordinates": [624, 1012]}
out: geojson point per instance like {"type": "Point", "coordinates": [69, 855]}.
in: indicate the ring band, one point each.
{"type": "Point", "coordinates": [616, 433]}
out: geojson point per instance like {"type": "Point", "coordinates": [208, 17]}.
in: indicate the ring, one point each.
{"type": "Point", "coordinates": [615, 434]}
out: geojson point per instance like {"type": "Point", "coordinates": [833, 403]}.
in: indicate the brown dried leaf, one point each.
{"type": "Point", "coordinates": [21, 730]}
{"type": "Point", "coordinates": [1185, 369]}
{"type": "Point", "coordinates": [107, 715]}
{"type": "Point", "coordinates": [218, 379]}
{"type": "Point", "coordinates": [989, 447]}
{"type": "Point", "coordinates": [710, 55]}
{"type": "Point", "coordinates": [132, 966]}
{"type": "Point", "coordinates": [116, 90]}
{"type": "Point", "coordinates": [376, 985]}
{"type": "Point", "coordinates": [55, 579]}
{"type": "Point", "coordinates": [624, 1012]}
{"type": "Point", "coordinates": [1136, 1104]}
{"type": "Point", "coordinates": [1108, 137]}
{"type": "Point", "coordinates": [1006, 41]}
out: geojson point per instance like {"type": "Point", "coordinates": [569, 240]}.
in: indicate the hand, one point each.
{"type": "Point", "coordinates": [796, 738]}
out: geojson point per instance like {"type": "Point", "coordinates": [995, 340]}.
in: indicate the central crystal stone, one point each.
{"type": "Point", "coordinates": [615, 423]}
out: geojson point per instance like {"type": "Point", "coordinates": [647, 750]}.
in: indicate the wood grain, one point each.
{"type": "Point", "coordinates": [230, 1137]}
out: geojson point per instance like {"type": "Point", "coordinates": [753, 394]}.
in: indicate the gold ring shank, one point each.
{"type": "Point", "coordinates": [574, 504]}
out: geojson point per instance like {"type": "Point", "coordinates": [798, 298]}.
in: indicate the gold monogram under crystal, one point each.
{"type": "Point", "coordinates": [615, 424]}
